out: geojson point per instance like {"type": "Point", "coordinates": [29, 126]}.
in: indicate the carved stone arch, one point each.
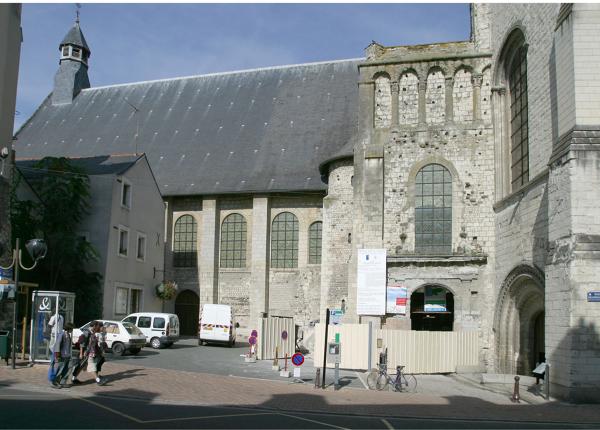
{"type": "Point", "coordinates": [437, 68]}
{"type": "Point", "coordinates": [381, 74]}
{"type": "Point", "coordinates": [408, 97]}
{"type": "Point", "coordinates": [520, 301]}
{"type": "Point", "coordinates": [407, 70]}
{"type": "Point", "coordinates": [513, 37]}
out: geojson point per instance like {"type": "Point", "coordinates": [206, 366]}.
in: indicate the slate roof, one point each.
{"type": "Point", "coordinates": [75, 37]}
{"type": "Point", "coordinates": [115, 164]}
{"type": "Point", "coordinates": [263, 130]}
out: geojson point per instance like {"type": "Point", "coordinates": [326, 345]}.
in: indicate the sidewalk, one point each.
{"type": "Point", "coordinates": [161, 386]}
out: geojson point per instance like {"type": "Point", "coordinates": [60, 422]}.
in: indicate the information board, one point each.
{"type": "Point", "coordinates": [370, 281]}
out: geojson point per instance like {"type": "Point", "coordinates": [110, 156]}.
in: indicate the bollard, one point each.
{"type": "Point", "coordinates": [515, 397]}
{"type": "Point", "coordinates": [318, 378]}
{"type": "Point", "coordinates": [336, 377]}
{"type": "Point", "coordinates": [547, 382]}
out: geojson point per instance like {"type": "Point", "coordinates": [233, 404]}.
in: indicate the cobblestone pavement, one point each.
{"type": "Point", "coordinates": [154, 386]}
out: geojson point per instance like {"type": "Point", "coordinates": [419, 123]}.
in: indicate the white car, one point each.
{"type": "Point", "coordinates": [120, 336]}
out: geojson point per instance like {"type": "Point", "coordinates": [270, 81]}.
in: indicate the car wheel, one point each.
{"type": "Point", "coordinates": [134, 351]}
{"type": "Point", "coordinates": [200, 343]}
{"type": "Point", "coordinates": [155, 343]}
{"type": "Point", "coordinates": [118, 348]}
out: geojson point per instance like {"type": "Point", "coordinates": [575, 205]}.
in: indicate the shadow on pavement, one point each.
{"type": "Point", "coordinates": [134, 408]}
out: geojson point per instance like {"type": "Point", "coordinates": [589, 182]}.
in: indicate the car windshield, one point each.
{"type": "Point", "coordinates": [132, 329]}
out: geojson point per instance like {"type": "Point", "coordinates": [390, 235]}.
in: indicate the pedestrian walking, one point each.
{"type": "Point", "coordinates": [81, 359]}
{"type": "Point", "coordinates": [95, 354]}
{"type": "Point", "coordinates": [62, 355]}
{"type": "Point", "coordinates": [55, 326]}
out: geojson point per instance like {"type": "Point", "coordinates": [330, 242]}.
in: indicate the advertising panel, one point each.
{"type": "Point", "coordinates": [371, 281]}
{"type": "Point", "coordinates": [397, 296]}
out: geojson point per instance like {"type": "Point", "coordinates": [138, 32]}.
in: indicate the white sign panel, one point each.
{"type": "Point", "coordinates": [371, 280]}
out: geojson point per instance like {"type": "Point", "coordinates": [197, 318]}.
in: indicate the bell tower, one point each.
{"type": "Point", "coordinates": [72, 74]}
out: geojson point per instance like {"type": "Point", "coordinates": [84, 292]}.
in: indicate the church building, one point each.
{"type": "Point", "coordinates": [473, 164]}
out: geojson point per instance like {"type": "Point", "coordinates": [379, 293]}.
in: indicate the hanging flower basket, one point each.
{"type": "Point", "coordinates": [166, 290]}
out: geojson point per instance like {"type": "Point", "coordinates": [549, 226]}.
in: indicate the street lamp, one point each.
{"type": "Point", "coordinates": [37, 250]}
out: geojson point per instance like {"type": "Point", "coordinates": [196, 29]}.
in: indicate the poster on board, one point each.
{"type": "Point", "coordinates": [397, 296]}
{"type": "Point", "coordinates": [435, 299]}
{"type": "Point", "coordinates": [371, 281]}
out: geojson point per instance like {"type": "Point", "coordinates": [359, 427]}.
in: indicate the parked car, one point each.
{"type": "Point", "coordinates": [120, 336]}
{"type": "Point", "coordinates": [160, 329]}
{"type": "Point", "coordinates": [217, 325]}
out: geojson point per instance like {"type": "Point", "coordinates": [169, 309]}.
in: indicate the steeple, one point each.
{"type": "Point", "coordinates": [72, 74]}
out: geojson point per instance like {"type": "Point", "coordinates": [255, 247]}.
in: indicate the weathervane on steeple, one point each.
{"type": "Point", "coordinates": [78, 6]}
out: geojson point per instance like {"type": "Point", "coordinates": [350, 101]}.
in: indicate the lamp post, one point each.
{"type": "Point", "coordinates": [37, 250]}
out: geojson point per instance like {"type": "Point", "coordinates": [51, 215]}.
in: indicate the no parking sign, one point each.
{"type": "Point", "coordinates": [297, 359]}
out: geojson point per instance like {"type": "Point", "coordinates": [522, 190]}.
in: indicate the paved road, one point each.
{"type": "Point", "coordinates": [222, 360]}
{"type": "Point", "coordinates": [69, 409]}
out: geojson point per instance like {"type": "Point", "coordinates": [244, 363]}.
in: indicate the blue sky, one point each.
{"type": "Point", "coordinates": [137, 42]}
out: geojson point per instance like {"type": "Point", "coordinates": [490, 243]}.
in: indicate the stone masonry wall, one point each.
{"type": "Point", "coordinates": [435, 96]}
{"type": "Point", "coordinates": [409, 99]}
{"type": "Point", "coordinates": [383, 102]}
{"type": "Point", "coordinates": [462, 96]}
{"type": "Point", "coordinates": [337, 235]}
{"type": "Point", "coordinates": [296, 292]}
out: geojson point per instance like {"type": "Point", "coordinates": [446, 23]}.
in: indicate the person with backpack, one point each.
{"type": "Point", "coordinates": [62, 355]}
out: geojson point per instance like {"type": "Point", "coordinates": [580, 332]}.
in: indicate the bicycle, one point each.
{"type": "Point", "coordinates": [378, 379]}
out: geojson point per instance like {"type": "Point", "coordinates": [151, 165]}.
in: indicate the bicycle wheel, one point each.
{"type": "Point", "coordinates": [409, 382]}
{"type": "Point", "coordinates": [372, 379]}
{"type": "Point", "coordinates": [382, 382]}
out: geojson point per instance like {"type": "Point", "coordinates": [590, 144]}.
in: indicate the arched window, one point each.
{"type": "Point", "coordinates": [184, 242]}
{"type": "Point", "coordinates": [233, 242]}
{"type": "Point", "coordinates": [284, 241]}
{"type": "Point", "coordinates": [315, 234]}
{"type": "Point", "coordinates": [519, 129]}
{"type": "Point", "coordinates": [433, 210]}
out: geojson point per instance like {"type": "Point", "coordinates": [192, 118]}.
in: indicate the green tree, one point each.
{"type": "Point", "coordinates": [64, 193]}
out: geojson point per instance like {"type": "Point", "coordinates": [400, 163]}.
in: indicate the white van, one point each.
{"type": "Point", "coordinates": [217, 324]}
{"type": "Point", "coordinates": [159, 328]}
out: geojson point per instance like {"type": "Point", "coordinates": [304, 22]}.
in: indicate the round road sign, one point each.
{"type": "Point", "coordinates": [284, 335]}
{"type": "Point", "coordinates": [254, 333]}
{"type": "Point", "coordinates": [252, 340]}
{"type": "Point", "coordinates": [297, 359]}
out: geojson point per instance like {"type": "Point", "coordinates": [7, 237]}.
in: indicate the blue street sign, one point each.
{"type": "Point", "coordinates": [593, 296]}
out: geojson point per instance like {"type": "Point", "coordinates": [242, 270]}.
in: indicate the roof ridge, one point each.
{"type": "Point", "coordinates": [288, 66]}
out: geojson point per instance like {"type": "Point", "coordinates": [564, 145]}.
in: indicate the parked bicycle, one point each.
{"type": "Point", "coordinates": [378, 379]}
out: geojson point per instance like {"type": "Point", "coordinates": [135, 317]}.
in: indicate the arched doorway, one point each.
{"type": "Point", "coordinates": [187, 308]}
{"type": "Point", "coordinates": [519, 321]}
{"type": "Point", "coordinates": [432, 309]}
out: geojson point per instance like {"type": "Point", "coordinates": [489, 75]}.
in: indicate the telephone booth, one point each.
{"type": "Point", "coordinates": [44, 305]}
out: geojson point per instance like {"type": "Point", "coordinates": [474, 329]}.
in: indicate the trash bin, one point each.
{"type": "Point", "coordinates": [4, 346]}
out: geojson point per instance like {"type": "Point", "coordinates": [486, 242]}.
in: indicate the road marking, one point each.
{"type": "Point", "coordinates": [313, 421]}
{"type": "Point", "coordinates": [114, 411]}
{"type": "Point", "coordinates": [360, 379]}
{"type": "Point", "coordinates": [162, 420]}
{"type": "Point", "coordinates": [387, 424]}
